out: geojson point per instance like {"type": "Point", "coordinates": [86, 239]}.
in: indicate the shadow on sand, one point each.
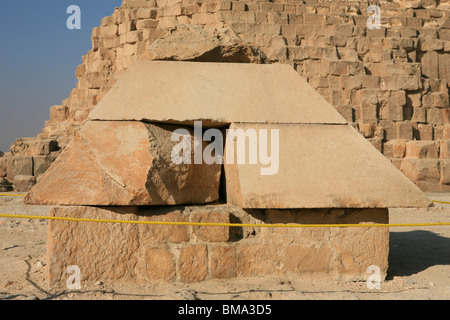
{"type": "Point", "coordinates": [411, 252]}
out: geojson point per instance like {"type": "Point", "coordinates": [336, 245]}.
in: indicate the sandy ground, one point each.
{"type": "Point", "coordinates": [419, 267]}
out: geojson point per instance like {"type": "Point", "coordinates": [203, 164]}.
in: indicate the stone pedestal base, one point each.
{"type": "Point", "coordinates": [136, 254]}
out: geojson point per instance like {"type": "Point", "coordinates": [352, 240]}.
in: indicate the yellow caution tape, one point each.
{"type": "Point", "coordinates": [213, 224]}
{"type": "Point", "coordinates": [440, 201]}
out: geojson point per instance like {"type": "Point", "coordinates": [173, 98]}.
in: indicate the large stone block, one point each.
{"type": "Point", "coordinates": [3, 167]}
{"type": "Point", "coordinates": [59, 113]}
{"type": "Point", "coordinates": [444, 149]}
{"type": "Point", "coordinates": [125, 163]}
{"type": "Point", "coordinates": [445, 171]}
{"type": "Point", "coordinates": [423, 172]}
{"type": "Point", "coordinates": [23, 183]}
{"type": "Point", "coordinates": [156, 263]}
{"type": "Point", "coordinates": [193, 263]}
{"type": "Point", "coordinates": [41, 164]}
{"type": "Point", "coordinates": [223, 262]}
{"type": "Point", "coordinates": [139, 254]}
{"type": "Point", "coordinates": [395, 148]}
{"type": "Point", "coordinates": [33, 146]}
{"type": "Point", "coordinates": [311, 166]}
{"type": "Point", "coordinates": [19, 166]}
{"type": "Point", "coordinates": [422, 149]}
{"type": "Point", "coordinates": [217, 93]}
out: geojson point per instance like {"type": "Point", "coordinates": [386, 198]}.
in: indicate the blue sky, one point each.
{"type": "Point", "coordinates": [38, 58]}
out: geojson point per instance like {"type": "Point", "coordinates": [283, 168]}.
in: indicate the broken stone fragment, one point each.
{"type": "Point", "coordinates": [124, 163]}
{"type": "Point", "coordinates": [203, 44]}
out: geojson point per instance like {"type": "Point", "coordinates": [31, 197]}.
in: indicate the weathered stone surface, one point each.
{"type": "Point", "coordinates": [41, 164]}
{"type": "Point", "coordinates": [444, 149]}
{"type": "Point", "coordinates": [3, 167]}
{"type": "Point", "coordinates": [426, 173]}
{"type": "Point", "coordinates": [19, 166]}
{"type": "Point", "coordinates": [130, 253]}
{"type": "Point", "coordinates": [216, 93]}
{"type": "Point", "coordinates": [223, 262]}
{"type": "Point", "coordinates": [319, 166]}
{"type": "Point", "coordinates": [300, 259]}
{"type": "Point", "coordinates": [32, 146]}
{"type": "Point", "coordinates": [85, 245]}
{"type": "Point", "coordinates": [256, 259]}
{"type": "Point", "coordinates": [203, 44]}
{"type": "Point", "coordinates": [422, 149]}
{"type": "Point", "coordinates": [350, 257]}
{"type": "Point", "coordinates": [193, 263]}
{"type": "Point", "coordinates": [23, 183]}
{"type": "Point", "coordinates": [445, 171]}
{"type": "Point", "coordinates": [211, 233]}
{"type": "Point", "coordinates": [124, 163]}
{"type": "Point", "coordinates": [156, 263]}
{"type": "Point", "coordinates": [395, 148]}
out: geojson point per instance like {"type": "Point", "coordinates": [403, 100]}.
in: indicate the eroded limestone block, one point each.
{"type": "Point", "coordinates": [24, 183]}
{"type": "Point", "coordinates": [33, 146]}
{"type": "Point", "coordinates": [19, 166]}
{"type": "Point", "coordinates": [203, 44]}
{"type": "Point", "coordinates": [41, 164]}
{"type": "Point", "coordinates": [3, 167]}
{"type": "Point", "coordinates": [125, 163]}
